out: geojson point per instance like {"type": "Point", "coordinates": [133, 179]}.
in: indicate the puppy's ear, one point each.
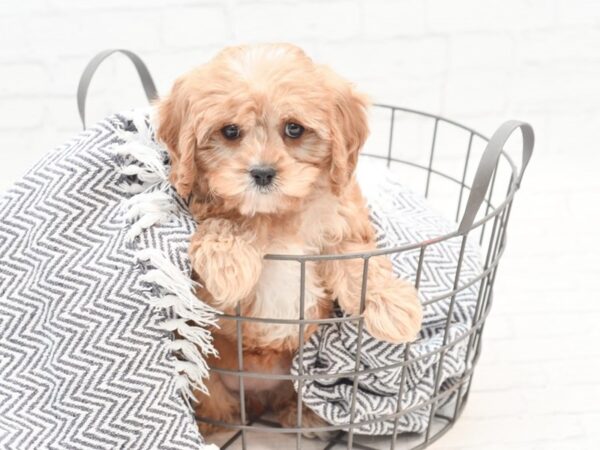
{"type": "Point", "coordinates": [350, 130]}
{"type": "Point", "coordinates": [177, 131]}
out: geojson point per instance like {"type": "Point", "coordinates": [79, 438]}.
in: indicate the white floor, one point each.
{"type": "Point", "coordinates": [538, 384]}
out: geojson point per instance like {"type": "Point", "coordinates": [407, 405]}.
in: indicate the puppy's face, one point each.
{"type": "Point", "coordinates": [262, 128]}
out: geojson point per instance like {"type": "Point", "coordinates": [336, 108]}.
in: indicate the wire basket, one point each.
{"type": "Point", "coordinates": [439, 155]}
{"type": "Point", "coordinates": [484, 213]}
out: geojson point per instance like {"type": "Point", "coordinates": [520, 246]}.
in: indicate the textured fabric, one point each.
{"type": "Point", "coordinates": [400, 217]}
{"type": "Point", "coordinates": [84, 361]}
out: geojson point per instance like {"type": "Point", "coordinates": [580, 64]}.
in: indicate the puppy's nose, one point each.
{"type": "Point", "coordinates": [263, 175]}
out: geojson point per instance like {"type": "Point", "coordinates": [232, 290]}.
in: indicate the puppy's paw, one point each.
{"type": "Point", "coordinates": [226, 261]}
{"type": "Point", "coordinates": [288, 418]}
{"type": "Point", "coordinates": [219, 406]}
{"type": "Point", "coordinates": [393, 311]}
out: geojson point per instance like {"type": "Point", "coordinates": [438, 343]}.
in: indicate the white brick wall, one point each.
{"type": "Point", "coordinates": [477, 61]}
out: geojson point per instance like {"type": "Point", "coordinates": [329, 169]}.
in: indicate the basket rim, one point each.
{"type": "Point", "coordinates": [495, 210]}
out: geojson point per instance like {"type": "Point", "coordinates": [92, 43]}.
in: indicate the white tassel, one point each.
{"type": "Point", "coordinates": [197, 335]}
{"type": "Point", "coordinates": [133, 188]}
{"type": "Point", "coordinates": [167, 301]}
{"type": "Point", "coordinates": [170, 277]}
{"type": "Point", "coordinates": [147, 209]}
{"type": "Point", "coordinates": [145, 156]}
{"type": "Point", "coordinates": [157, 201]}
{"type": "Point", "coordinates": [141, 173]}
{"type": "Point", "coordinates": [196, 310]}
{"type": "Point", "coordinates": [194, 374]}
{"type": "Point", "coordinates": [182, 384]}
{"type": "Point", "coordinates": [151, 203]}
{"type": "Point", "coordinates": [188, 307]}
{"type": "Point", "coordinates": [189, 351]}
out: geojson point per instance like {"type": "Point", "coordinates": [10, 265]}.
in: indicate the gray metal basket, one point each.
{"type": "Point", "coordinates": [484, 213]}
{"type": "Point", "coordinates": [489, 222]}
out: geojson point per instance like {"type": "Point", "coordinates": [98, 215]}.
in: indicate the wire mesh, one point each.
{"type": "Point", "coordinates": [489, 229]}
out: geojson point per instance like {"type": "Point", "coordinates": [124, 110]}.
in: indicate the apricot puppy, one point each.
{"type": "Point", "coordinates": [264, 143]}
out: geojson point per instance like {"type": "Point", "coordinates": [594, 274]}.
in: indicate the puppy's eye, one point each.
{"type": "Point", "coordinates": [293, 130]}
{"type": "Point", "coordinates": [231, 132]}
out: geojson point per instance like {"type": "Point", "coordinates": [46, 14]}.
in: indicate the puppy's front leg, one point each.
{"type": "Point", "coordinates": [226, 260]}
{"type": "Point", "coordinates": [392, 307]}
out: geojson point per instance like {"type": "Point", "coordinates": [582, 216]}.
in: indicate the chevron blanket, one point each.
{"type": "Point", "coordinates": [89, 260]}
{"type": "Point", "coordinates": [94, 283]}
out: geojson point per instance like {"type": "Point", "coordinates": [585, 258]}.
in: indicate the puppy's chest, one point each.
{"type": "Point", "coordinates": [278, 291]}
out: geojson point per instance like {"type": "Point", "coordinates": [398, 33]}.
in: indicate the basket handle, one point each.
{"type": "Point", "coordinates": [488, 164]}
{"type": "Point", "coordinates": [90, 69]}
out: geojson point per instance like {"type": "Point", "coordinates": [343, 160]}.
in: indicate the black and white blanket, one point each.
{"type": "Point", "coordinates": [93, 275]}
{"type": "Point", "coordinates": [94, 280]}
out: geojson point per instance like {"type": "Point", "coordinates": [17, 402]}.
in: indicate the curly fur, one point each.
{"type": "Point", "coordinates": [313, 207]}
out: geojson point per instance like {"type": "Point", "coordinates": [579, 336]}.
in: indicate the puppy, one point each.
{"type": "Point", "coordinates": [264, 143]}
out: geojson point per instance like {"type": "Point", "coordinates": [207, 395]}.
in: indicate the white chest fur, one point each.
{"type": "Point", "coordinates": [278, 289]}
{"type": "Point", "coordinates": [278, 292]}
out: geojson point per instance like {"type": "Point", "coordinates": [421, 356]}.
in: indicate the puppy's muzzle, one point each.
{"type": "Point", "coordinates": [263, 175]}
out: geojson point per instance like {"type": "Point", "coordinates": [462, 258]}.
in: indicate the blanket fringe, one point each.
{"type": "Point", "coordinates": [151, 203]}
